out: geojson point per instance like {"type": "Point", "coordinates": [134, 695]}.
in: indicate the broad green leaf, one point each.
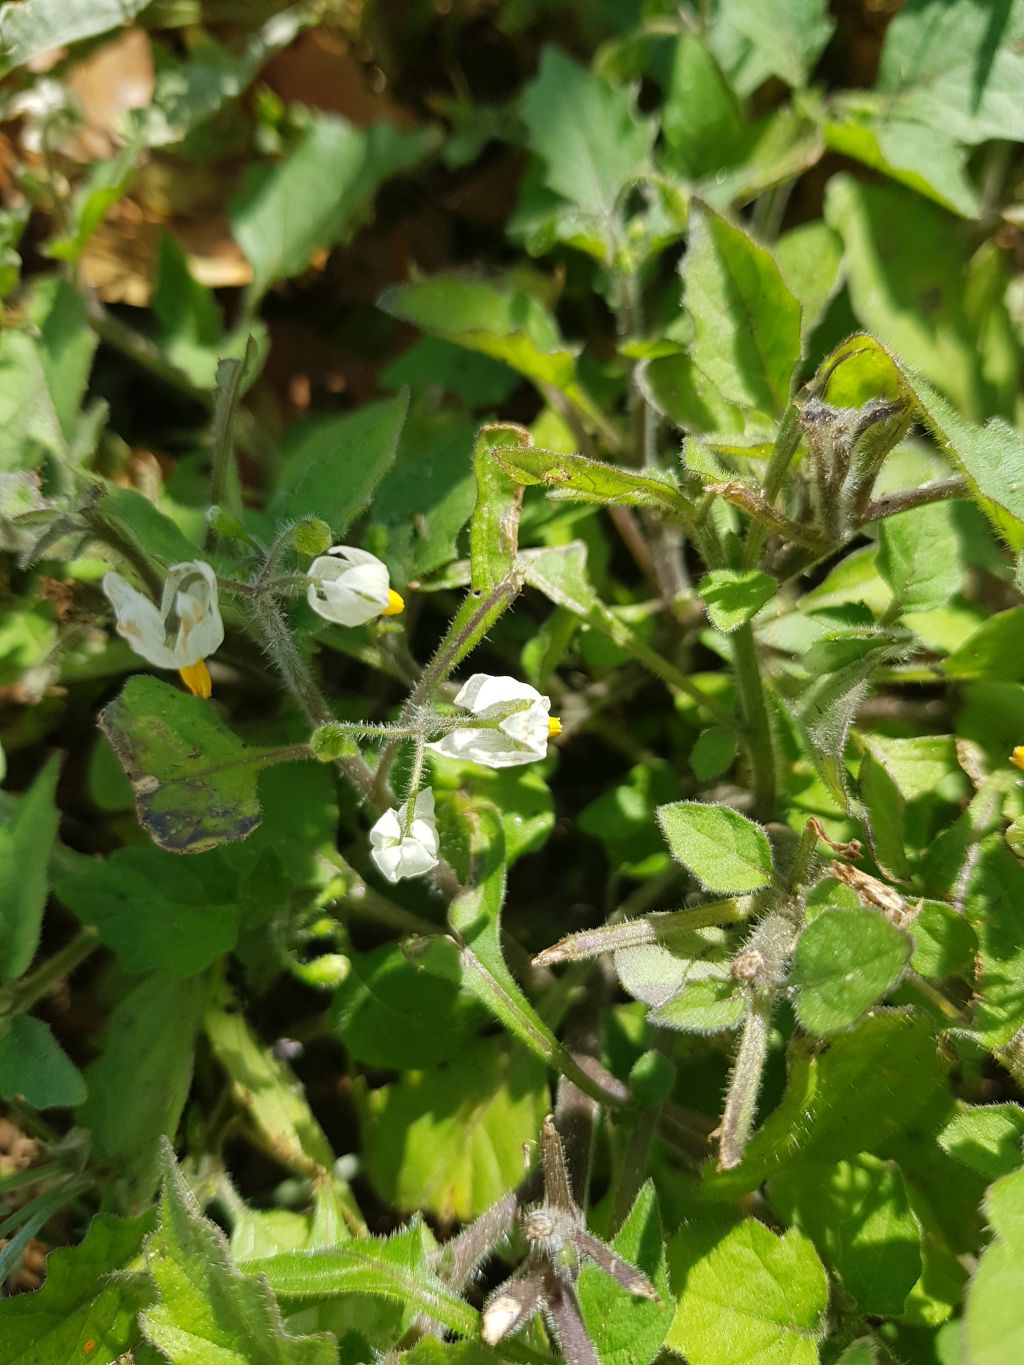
{"type": "Point", "coordinates": [627, 1330]}
{"type": "Point", "coordinates": [151, 1041]}
{"type": "Point", "coordinates": [37, 26]}
{"type": "Point", "coordinates": [885, 812]}
{"type": "Point", "coordinates": [268, 1090]}
{"type": "Point", "coordinates": [992, 907]}
{"type": "Point", "coordinates": [867, 1086]}
{"type": "Point", "coordinates": [993, 1323]}
{"type": "Point", "coordinates": [332, 465]}
{"type": "Point", "coordinates": [844, 962]}
{"type": "Point", "coordinates": [319, 193]}
{"type": "Point", "coordinates": [858, 1216]}
{"type": "Point", "coordinates": [401, 1010]}
{"type": "Point", "coordinates": [425, 498]}
{"type": "Point", "coordinates": [449, 1140]}
{"type": "Point", "coordinates": [958, 67]}
{"type": "Point", "coordinates": [88, 1295]}
{"type": "Point", "coordinates": [749, 1297]}
{"type": "Point", "coordinates": [810, 257]}
{"type": "Point", "coordinates": [991, 653]}
{"type": "Point", "coordinates": [67, 345]}
{"type": "Point", "coordinates": [188, 806]}
{"type": "Point", "coordinates": [588, 134]}
{"type": "Point", "coordinates": [623, 819]}
{"type": "Point", "coordinates": [34, 1066]}
{"type": "Point", "coordinates": [787, 36]}
{"type": "Point", "coordinates": [919, 557]}
{"type": "Point", "coordinates": [991, 457]}
{"type": "Point", "coordinates": [494, 530]}
{"type": "Point", "coordinates": [702, 119]}
{"type": "Point", "coordinates": [207, 1310]}
{"type": "Point", "coordinates": [944, 942]}
{"type": "Point", "coordinates": [498, 318]}
{"type": "Point", "coordinates": [986, 1137]}
{"type": "Point", "coordinates": [396, 1267]}
{"type": "Point", "coordinates": [746, 321]}
{"type": "Point", "coordinates": [919, 765]}
{"type": "Point", "coordinates": [714, 751]}
{"type": "Point", "coordinates": [156, 910]}
{"type": "Point", "coordinates": [724, 850]}
{"type": "Point", "coordinates": [152, 532]}
{"type": "Point", "coordinates": [706, 1005]}
{"type": "Point", "coordinates": [923, 159]}
{"type": "Point", "coordinates": [905, 263]}
{"type": "Point", "coordinates": [26, 842]}
{"type": "Point", "coordinates": [735, 596]}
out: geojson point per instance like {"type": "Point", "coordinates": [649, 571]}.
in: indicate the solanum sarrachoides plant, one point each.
{"type": "Point", "coordinates": [512, 683]}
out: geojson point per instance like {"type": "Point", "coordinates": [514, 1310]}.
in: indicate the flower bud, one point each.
{"type": "Point", "coordinates": [311, 536]}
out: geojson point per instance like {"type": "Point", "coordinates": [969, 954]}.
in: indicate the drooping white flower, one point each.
{"type": "Point", "coordinates": [350, 587]}
{"type": "Point", "coordinates": [183, 631]}
{"type": "Point", "coordinates": [513, 737]}
{"type": "Point", "coordinates": [400, 852]}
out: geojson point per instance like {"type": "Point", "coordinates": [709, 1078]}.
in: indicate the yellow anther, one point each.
{"type": "Point", "coordinates": [396, 604]}
{"type": "Point", "coordinates": [1017, 757]}
{"type": "Point", "coordinates": [197, 679]}
{"type": "Point", "coordinates": [554, 727]}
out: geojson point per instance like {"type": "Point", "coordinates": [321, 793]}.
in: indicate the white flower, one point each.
{"type": "Point", "coordinates": [350, 587]}
{"type": "Point", "coordinates": [513, 738]}
{"type": "Point", "coordinates": [183, 631]}
{"type": "Point", "coordinates": [399, 852]}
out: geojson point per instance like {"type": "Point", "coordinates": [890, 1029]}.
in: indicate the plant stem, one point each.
{"type": "Point", "coordinates": [757, 721]}
{"type": "Point", "coordinates": [745, 1082]}
{"type": "Point", "coordinates": [38, 983]}
{"type": "Point", "coordinates": [893, 503]}
{"type": "Point", "coordinates": [229, 383]}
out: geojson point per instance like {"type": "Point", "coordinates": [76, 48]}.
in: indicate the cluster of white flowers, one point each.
{"type": "Point", "coordinates": [510, 720]}
{"type": "Point", "coordinates": [346, 586]}
{"type": "Point", "coordinates": [511, 726]}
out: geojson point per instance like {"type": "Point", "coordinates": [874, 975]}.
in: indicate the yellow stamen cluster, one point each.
{"type": "Point", "coordinates": [1017, 757]}
{"type": "Point", "coordinates": [555, 727]}
{"type": "Point", "coordinates": [196, 678]}
{"type": "Point", "coordinates": [396, 604]}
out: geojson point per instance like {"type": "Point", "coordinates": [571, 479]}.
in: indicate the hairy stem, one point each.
{"type": "Point", "coordinates": [757, 720]}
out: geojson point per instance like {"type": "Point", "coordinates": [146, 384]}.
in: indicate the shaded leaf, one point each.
{"type": "Point", "coordinates": [26, 842]}
{"type": "Point", "coordinates": [629, 1330]}
{"type": "Point", "coordinates": [34, 1067]}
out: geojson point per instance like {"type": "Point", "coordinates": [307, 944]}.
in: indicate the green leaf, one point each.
{"type": "Point", "coordinates": [498, 318]}
{"type": "Point", "coordinates": [749, 1297]}
{"type": "Point", "coordinates": [810, 257]}
{"type": "Point", "coordinates": [588, 134]}
{"type": "Point", "coordinates": [845, 961]}
{"type": "Point", "coordinates": [157, 911]}
{"type": "Point", "coordinates": [746, 321]}
{"type": "Point", "coordinates": [579, 478]}
{"type": "Point", "coordinates": [993, 1324]}
{"type": "Point", "coordinates": [627, 1330]}
{"type": "Point", "coordinates": [26, 842]}
{"type": "Point", "coordinates": [319, 193]}
{"type": "Point", "coordinates": [868, 1085]}
{"type": "Point", "coordinates": [787, 36]}
{"type": "Point", "coordinates": [332, 465]}
{"type": "Point", "coordinates": [88, 1295]}
{"type": "Point", "coordinates": [398, 1010]}
{"type": "Point", "coordinates": [991, 457]}
{"type": "Point", "coordinates": [885, 810]}
{"type": "Point", "coordinates": [713, 753]}
{"type": "Point", "coordinates": [944, 943]}
{"type": "Point", "coordinates": [992, 907]}
{"type": "Point", "coordinates": [724, 850]}
{"type": "Point", "coordinates": [266, 1087]}
{"type": "Point", "coordinates": [706, 1005]}
{"type": "Point", "coordinates": [396, 1267]}
{"type": "Point", "coordinates": [34, 1066]}
{"type": "Point", "coordinates": [195, 782]}
{"type": "Point", "coordinates": [208, 1310]}
{"type": "Point", "coordinates": [494, 530]}
{"type": "Point", "coordinates": [735, 596]}
{"type": "Point", "coordinates": [986, 1138]}
{"type": "Point", "coordinates": [38, 26]}
{"type": "Point", "coordinates": [919, 557]}
{"type": "Point", "coordinates": [702, 119]}
{"type": "Point", "coordinates": [990, 653]}
{"type": "Point", "coordinates": [450, 1140]}
{"type": "Point", "coordinates": [153, 532]}
{"type": "Point", "coordinates": [139, 1083]}
{"type": "Point", "coordinates": [923, 159]}
{"type": "Point", "coordinates": [957, 68]}
{"type": "Point", "coordinates": [859, 1217]}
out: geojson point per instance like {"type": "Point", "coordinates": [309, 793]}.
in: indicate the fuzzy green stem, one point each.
{"type": "Point", "coordinates": [222, 471]}
{"type": "Point", "coordinates": [757, 721]}
{"type": "Point", "coordinates": [787, 441]}
{"type": "Point", "coordinates": [40, 982]}
{"type": "Point", "coordinates": [745, 1082]}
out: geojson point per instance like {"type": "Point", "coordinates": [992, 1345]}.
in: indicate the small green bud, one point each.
{"type": "Point", "coordinates": [311, 536]}
{"type": "Point", "coordinates": [327, 971]}
{"type": "Point", "coordinates": [225, 524]}
{"type": "Point", "coordinates": [331, 741]}
{"type": "Point", "coordinates": [652, 1079]}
